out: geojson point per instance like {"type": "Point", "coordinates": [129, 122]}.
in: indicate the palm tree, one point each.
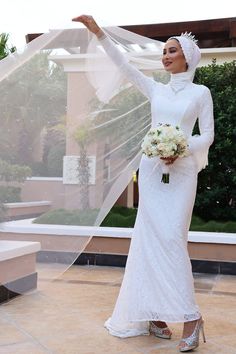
{"type": "Point", "coordinates": [5, 49]}
{"type": "Point", "coordinates": [82, 136]}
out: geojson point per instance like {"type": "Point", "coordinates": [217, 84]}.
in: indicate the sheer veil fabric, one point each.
{"type": "Point", "coordinates": [64, 103]}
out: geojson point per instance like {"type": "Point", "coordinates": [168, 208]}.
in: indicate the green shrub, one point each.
{"type": "Point", "coordinates": [10, 194]}
{"type": "Point", "coordinates": [54, 148]}
{"type": "Point", "coordinates": [2, 212]}
{"type": "Point", "coordinates": [39, 169]}
{"type": "Point", "coordinates": [118, 220]}
{"type": "Point", "coordinates": [214, 226]}
{"type": "Point", "coordinates": [12, 172]}
{"type": "Point", "coordinates": [120, 216]}
{"type": "Point", "coordinates": [217, 183]}
{"type": "Point", "coordinates": [122, 210]}
{"type": "Point", "coordinates": [55, 160]}
{"type": "Point", "coordinates": [196, 220]}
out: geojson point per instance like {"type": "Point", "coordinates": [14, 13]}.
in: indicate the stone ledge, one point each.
{"type": "Point", "coordinates": [17, 267]}
{"type": "Point", "coordinates": [13, 249]}
{"type": "Point", "coordinates": [27, 227]}
{"type": "Point", "coordinates": [27, 204]}
{"type": "Point", "coordinates": [26, 209]}
{"type": "Point", "coordinates": [17, 287]}
{"type": "Point", "coordinates": [208, 246]}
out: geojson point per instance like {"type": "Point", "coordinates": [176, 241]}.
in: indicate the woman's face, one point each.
{"type": "Point", "coordinates": [173, 57]}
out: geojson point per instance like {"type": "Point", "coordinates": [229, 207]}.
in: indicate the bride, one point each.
{"type": "Point", "coordinates": [158, 284]}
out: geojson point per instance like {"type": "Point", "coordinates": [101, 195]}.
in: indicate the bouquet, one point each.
{"type": "Point", "coordinates": [165, 141]}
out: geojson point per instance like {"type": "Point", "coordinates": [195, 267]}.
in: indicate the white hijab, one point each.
{"type": "Point", "coordinates": [190, 49]}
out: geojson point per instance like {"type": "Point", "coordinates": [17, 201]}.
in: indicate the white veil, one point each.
{"type": "Point", "coordinates": [64, 103]}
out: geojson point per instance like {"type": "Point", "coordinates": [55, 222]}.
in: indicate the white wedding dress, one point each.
{"type": "Point", "coordinates": [158, 281]}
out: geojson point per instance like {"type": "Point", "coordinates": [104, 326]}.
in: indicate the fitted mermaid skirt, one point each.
{"type": "Point", "coordinates": [158, 282]}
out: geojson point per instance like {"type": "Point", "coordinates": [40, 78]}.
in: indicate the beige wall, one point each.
{"type": "Point", "coordinates": [35, 189]}
{"type": "Point", "coordinates": [221, 55]}
{"type": "Point", "coordinates": [53, 190]}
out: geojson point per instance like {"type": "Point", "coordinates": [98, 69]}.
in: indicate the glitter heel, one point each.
{"type": "Point", "coordinates": [164, 333]}
{"type": "Point", "coordinates": [192, 342]}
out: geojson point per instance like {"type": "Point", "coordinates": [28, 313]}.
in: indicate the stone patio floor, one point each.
{"type": "Point", "coordinates": [68, 317]}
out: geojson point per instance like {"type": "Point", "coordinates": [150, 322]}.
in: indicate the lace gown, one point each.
{"type": "Point", "coordinates": [158, 282]}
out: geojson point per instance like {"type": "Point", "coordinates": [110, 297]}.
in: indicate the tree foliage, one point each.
{"type": "Point", "coordinates": [13, 172]}
{"type": "Point", "coordinates": [217, 183]}
{"type": "Point", "coordinates": [32, 99]}
{"type": "Point", "coordinates": [5, 49]}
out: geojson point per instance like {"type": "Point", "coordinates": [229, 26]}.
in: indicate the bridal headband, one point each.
{"type": "Point", "coordinates": [190, 49]}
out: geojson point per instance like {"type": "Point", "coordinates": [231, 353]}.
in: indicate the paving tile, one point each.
{"type": "Point", "coordinates": [206, 348]}
{"type": "Point", "coordinates": [106, 274]}
{"type": "Point", "coordinates": [68, 315]}
{"type": "Point", "coordinates": [88, 343]}
{"type": "Point", "coordinates": [10, 334]}
{"type": "Point", "coordinates": [23, 348]}
{"type": "Point", "coordinates": [225, 283]}
{"type": "Point", "coordinates": [225, 340]}
{"type": "Point", "coordinates": [204, 281]}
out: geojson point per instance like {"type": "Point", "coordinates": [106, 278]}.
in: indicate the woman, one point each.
{"type": "Point", "coordinates": [158, 285]}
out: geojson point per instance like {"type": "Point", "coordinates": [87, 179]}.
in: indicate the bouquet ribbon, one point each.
{"type": "Point", "coordinates": [165, 173]}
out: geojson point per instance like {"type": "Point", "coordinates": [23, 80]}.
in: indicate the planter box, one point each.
{"type": "Point", "coordinates": [17, 268]}
{"type": "Point", "coordinates": [15, 211]}
{"type": "Point", "coordinates": [209, 251]}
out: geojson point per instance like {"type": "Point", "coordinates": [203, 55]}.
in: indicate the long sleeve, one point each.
{"type": "Point", "coordinates": [199, 144]}
{"type": "Point", "coordinates": [144, 83]}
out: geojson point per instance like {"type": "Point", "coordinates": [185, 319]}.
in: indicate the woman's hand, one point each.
{"type": "Point", "coordinates": [169, 160]}
{"type": "Point", "coordinates": [90, 23]}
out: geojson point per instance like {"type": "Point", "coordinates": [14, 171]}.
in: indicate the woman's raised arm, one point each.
{"type": "Point", "coordinates": [144, 83]}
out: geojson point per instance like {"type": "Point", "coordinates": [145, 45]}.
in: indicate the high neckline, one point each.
{"type": "Point", "coordinates": [179, 81]}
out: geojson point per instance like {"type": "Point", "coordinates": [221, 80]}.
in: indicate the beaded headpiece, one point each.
{"type": "Point", "coordinates": [190, 49]}
{"type": "Point", "coordinates": [189, 35]}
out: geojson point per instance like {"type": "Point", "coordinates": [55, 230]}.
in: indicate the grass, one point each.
{"type": "Point", "coordinates": [67, 217]}
{"type": "Point", "coordinates": [123, 217]}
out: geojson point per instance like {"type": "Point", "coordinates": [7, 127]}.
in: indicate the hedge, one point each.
{"type": "Point", "coordinates": [217, 183]}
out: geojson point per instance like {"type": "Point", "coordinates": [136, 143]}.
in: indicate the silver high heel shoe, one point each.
{"type": "Point", "coordinates": [192, 342]}
{"type": "Point", "coordinates": [164, 333]}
